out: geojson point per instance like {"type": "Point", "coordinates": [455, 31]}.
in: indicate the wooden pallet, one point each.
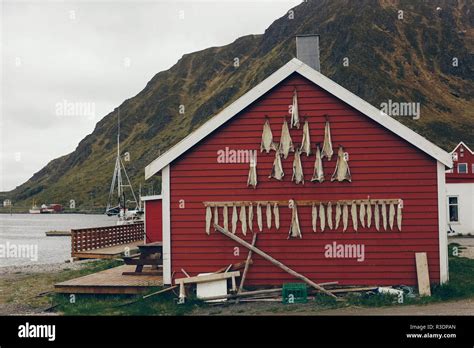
{"type": "Point", "coordinates": [110, 281]}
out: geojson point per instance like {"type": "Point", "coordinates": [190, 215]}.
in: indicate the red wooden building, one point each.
{"type": "Point", "coordinates": [387, 161]}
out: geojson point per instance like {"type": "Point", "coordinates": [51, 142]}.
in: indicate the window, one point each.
{"type": "Point", "coordinates": [453, 207]}
{"type": "Point", "coordinates": [455, 156]}
{"type": "Point", "coordinates": [462, 168]}
{"type": "Point", "coordinates": [472, 171]}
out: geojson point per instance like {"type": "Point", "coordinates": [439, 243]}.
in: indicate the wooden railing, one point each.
{"type": "Point", "coordinates": [102, 237]}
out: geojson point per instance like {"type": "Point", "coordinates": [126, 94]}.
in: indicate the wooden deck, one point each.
{"type": "Point", "coordinates": [109, 252]}
{"type": "Point", "coordinates": [110, 281]}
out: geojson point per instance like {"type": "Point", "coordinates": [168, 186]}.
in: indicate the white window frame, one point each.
{"type": "Point", "coordinates": [455, 156]}
{"type": "Point", "coordinates": [467, 168]}
{"type": "Point", "coordinates": [459, 210]}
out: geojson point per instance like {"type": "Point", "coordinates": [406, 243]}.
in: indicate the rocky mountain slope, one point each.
{"type": "Point", "coordinates": [403, 59]}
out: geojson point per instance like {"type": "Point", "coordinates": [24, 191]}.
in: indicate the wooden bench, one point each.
{"type": "Point", "coordinates": [150, 255]}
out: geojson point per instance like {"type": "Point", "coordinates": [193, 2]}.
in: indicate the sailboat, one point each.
{"type": "Point", "coordinates": [34, 209]}
{"type": "Point", "coordinates": [127, 210]}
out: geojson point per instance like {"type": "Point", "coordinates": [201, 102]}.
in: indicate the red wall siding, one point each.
{"type": "Point", "coordinates": [382, 166]}
{"type": "Point", "coordinates": [153, 221]}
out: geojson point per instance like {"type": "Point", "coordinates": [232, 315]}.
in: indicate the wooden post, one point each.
{"type": "Point", "coordinates": [272, 260]}
{"type": "Point", "coordinates": [422, 274]}
{"type": "Point", "coordinates": [247, 264]}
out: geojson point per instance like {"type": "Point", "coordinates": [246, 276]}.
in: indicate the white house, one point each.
{"type": "Point", "coordinates": [460, 190]}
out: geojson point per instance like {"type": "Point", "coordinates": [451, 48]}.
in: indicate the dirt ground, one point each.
{"type": "Point", "coordinates": [462, 307]}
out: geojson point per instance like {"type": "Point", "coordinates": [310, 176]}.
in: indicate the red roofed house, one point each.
{"type": "Point", "coordinates": [388, 163]}
{"type": "Point", "coordinates": [460, 190]}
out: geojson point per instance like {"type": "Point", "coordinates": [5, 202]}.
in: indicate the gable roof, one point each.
{"type": "Point", "coordinates": [317, 78]}
{"type": "Point", "coordinates": [463, 144]}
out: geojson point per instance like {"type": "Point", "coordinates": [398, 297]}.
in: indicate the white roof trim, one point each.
{"type": "Point", "coordinates": [317, 78]}
{"type": "Point", "coordinates": [463, 144]}
{"type": "Point", "coordinates": [151, 198]}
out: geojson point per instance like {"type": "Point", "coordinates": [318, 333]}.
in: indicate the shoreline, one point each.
{"type": "Point", "coordinates": [43, 267]}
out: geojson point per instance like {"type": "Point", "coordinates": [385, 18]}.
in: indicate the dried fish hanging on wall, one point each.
{"type": "Point", "coordinates": [243, 220]}
{"type": "Point", "coordinates": [267, 137]}
{"type": "Point", "coordinates": [322, 217]}
{"type": "Point", "coordinates": [251, 218]}
{"type": "Point", "coordinates": [208, 220]}
{"type": "Point", "coordinates": [342, 171]}
{"type": "Point", "coordinates": [329, 212]}
{"type": "Point", "coordinates": [345, 217]}
{"type": "Point", "coordinates": [318, 174]}
{"type": "Point", "coordinates": [338, 214]}
{"type": "Point", "coordinates": [216, 216]}
{"type": "Point", "coordinates": [306, 140]}
{"type": "Point", "coordinates": [354, 215]}
{"type": "Point", "coordinates": [276, 213]}
{"type": "Point", "coordinates": [252, 178]}
{"type": "Point", "coordinates": [295, 230]}
{"type": "Point", "coordinates": [269, 215]}
{"type": "Point", "coordinates": [259, 217]}
{"type": "Point", "coordinates": [377, 216]}
{"type": "Point", "coordinates": [391, 215]}
{"type": "Point", "coordinates": [295, 116]}
{"type": "Point", "coordinates": [385, 212]}
{"type": "Point", "coordinates": [399, 215]}
{"type": "Point", "coordinates": [298, 176]}
{"type": "Point", "coordinates": [369, 214]}
{"type": "Point", "coordinates": [384, 215]}
{"type": "Point", "coordinates": [277, 168]}
{"type": "Point", "coordinates": [327, 144]}
{"type": "Point", "coordinates": [286, 144]}
{"type": "Point", "coordinates": [234, 219]}
{"type": "Point", "coordinates": [314, 217]}
{"type": "Point", "coordinates": [362, 214]}
{"type": "Point", "coordinates": [226, 217]}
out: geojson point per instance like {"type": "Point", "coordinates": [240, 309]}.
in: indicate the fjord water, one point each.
{"type": "Point", "coordinates": [29, 229]}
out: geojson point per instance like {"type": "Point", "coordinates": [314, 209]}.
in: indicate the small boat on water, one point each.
{"type": "Point", "coordinates": [57, 233]}
{"type": "Point", "coordinates": [128, 211]}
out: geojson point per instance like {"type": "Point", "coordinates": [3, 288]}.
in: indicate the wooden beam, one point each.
{"type": "Point", "coordinates": [272, 260]}
{"type": "Point", "coordinates": [247, 264]}
{"type": "Point", "coordinates": [161, 291]}
{"type": "Point", "coordinates": [243, 294]}
{"type": "Point", "coordinates": [207, 278]}
{"type": "Point", "coordinates": [423, 274]}
{"type": "Point", "coordinates": [300, 202]}
{"type": "Point", "coordinates": [235, 267]}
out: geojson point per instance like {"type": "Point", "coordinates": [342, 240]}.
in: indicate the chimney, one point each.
{"type": "Point", "coordinates": [307, 50]}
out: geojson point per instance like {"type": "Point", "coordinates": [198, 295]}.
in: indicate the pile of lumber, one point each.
{"type": "Point", "coordinates": [237, 295]}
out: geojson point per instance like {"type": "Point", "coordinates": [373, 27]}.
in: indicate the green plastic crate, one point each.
{"type": "Point", "coordinates": [294, 293]}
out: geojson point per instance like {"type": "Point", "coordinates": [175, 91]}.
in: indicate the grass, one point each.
{"type": "Point", "coordinates": [23, 289]}
{"type": "Point", "coordinates": [163, 304]}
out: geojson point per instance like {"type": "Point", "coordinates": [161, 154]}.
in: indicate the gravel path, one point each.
{"type": "Point", "coordinates": [461, 307]}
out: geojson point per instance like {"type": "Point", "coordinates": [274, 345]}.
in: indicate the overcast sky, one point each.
{"type": "Point", "coordinates": [66, 64]}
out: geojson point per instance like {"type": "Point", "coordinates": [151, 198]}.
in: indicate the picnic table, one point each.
{"type": "Point", "coordinates": [150, 254]}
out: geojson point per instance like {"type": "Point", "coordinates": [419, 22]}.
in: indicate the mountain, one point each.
{"type": "Point", "coordinates": [402, 59]}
